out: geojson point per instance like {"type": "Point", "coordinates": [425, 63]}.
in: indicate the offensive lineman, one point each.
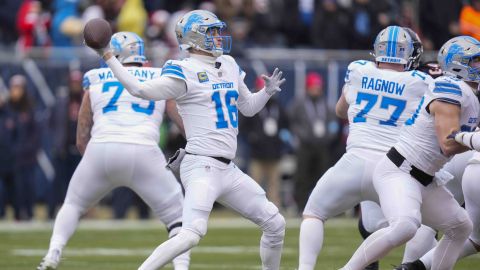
{"type": "Point", "coordinates": [404, 178]}
{"type": "Point", "coordinates": [377, 98]}
{"type": "Point", "coordinates": [118, 136]}
{"type": "Point", "coordinates": [209, 89]}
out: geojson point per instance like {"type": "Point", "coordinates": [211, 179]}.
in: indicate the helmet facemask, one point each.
{"type": "Point", "coordinates": [202, 30]}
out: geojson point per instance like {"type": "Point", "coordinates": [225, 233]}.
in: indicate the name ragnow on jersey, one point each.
{"type": "Point", "coordinates": [211, 128]}
{"type": "Point", "coordinates": [118, 116]}
{"type": "Point", "coordinates": [418, 142]}
{"type": "Point", "coordinates": [380, 102]}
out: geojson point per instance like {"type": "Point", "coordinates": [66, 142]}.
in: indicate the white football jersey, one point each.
{"type": "Point", "coordinates": [119, 116]}
{"type": "Point", "coordinates": [209, 108]}
{"type": "Point", "coordinates": [418, 142]}
{"type": "Point", "coordinates": [380, 102]}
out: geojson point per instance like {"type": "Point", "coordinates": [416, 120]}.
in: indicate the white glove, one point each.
{"type": "Point", "coordinates": [442, 177]}
{"type": "Point", "coordinates": [468, 139]}
{"type": "Point", "coordinates": [273, 83]}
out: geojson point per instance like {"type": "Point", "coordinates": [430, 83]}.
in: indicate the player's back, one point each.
{"type": "Point", "coordinates": [119, 116]}
{"type": "Point", "coordinates": [380, 102]}
{"type": "Point", "coordinates": [418, 142]}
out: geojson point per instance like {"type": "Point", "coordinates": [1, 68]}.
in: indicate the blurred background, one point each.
{"type": "Point", "coordinates": [286, 147]}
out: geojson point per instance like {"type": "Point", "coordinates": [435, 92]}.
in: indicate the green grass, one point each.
{"type": "Point", "coordinates": [232, 246]}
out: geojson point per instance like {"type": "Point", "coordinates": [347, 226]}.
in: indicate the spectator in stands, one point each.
{"type": "Point", "coordinates": [368, 17]}
{"type": "Point", "coordinates": [67, 26]}
{"type": "Point", "coordinates": [331, 26]}
{"type": "Point", "coordinates": [8, 21]}
{"type": "Point", "coordinates": [7, 188]}
{"type": "Point", "coordinates": [32, 25]}
{"type": "Point", "coordinates": [438, 22]}
{"type": "Point", "coordinates": [470, 19]}
{"type": "Point", "coordinates": [316, 128]}
{"type": "Point", "coordinates": [262, 133]}
{"type": "Point", "coordinates": [132, 17]}
{"type": "Point", "coordinates": [64, 125]}
{"type": "Point", "coordinates": [26, 145]}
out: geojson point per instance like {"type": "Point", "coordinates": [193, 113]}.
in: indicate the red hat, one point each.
{"type": "Point", "coordinates": [314, 79]}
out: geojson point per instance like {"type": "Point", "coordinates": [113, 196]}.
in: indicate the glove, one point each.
{"type": "Point", "coordinates": [175, 161]}
{"type": "Point", "coordinates": [273, 83]}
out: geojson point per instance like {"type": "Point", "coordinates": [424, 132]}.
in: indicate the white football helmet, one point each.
{"type": "Point", "coordinates": [457, 56]}
{"type": "Point", "coordinates": [393, 45]}
{"type": "Point", "coordinates": [128, 47]}
{"type": "Point", "coordinates": [194, 30]}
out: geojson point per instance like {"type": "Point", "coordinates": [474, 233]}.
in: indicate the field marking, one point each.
{"type": "Point", "coordinates": [214, 223]}
{"type": "Point", "coordinates": [80, 252]}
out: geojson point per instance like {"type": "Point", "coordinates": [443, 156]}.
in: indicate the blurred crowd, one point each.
{"type": "Point", "coordinates": [306, 129]}
{"type": "Point", "coordinates": [325, 24]}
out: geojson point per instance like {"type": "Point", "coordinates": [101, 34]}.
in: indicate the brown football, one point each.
{"type": "Point", "coordinates": [97, 33]}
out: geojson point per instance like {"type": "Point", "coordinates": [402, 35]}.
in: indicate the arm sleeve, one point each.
{"type": "Point", "coordinates": [469, 139]}
{"type": "Point", "coordinates": [248, 103]}
{"type": "Point", "coordinates": [157, 89]}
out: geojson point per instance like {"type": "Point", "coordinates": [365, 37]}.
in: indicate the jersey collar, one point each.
{"type": "Point", "coordinates": [204, 59]}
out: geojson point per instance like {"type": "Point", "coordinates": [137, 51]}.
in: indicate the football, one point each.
{"type": "Point", "coordinates": [97, 33]}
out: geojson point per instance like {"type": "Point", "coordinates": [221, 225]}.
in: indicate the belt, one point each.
{"type": "Point", "coordinates": [221, 159]}
{"type": "Point", "coordinates": [397, 159]}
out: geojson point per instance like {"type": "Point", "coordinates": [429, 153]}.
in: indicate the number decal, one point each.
{"type": "Point", "coordinates": [371, 100]}
{"type": "Point", "coordinates": [232, 109]}
{"type": "Point", "coordinates": [385, 104]}
{"type": "Point", "coordinates": [111, 106]}
{"type": "Point", "coordinates": [399, 108]}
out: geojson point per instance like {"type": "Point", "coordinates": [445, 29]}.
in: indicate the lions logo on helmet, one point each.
{"type": "Point", "coordinates": [128, 47]}
{"type": "Point", "coordinates": [458, 56]}
{"type": "Point", "coordinates": [393, 45]}
{"type": "Point", "coordinates": [196, 30]}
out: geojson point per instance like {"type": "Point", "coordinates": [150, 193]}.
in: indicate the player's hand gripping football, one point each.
{"type": "Point", "coordinates": [273, 83]}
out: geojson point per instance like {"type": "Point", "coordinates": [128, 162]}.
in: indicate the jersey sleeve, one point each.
{"type": "Point", "coordinates": [86, 81]}
{"type": "Point", "coordinates": [445, 90]}
{"type": "Point", "coordinates": [173, 69]}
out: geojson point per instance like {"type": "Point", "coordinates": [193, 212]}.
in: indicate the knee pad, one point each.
{"type": "Point", "coordinates": [274, 231]}
{"type": "Point", "coordinates": [188, 237]}
{"type": "Point", "coordinates": [199, 226]}
{"type": "Point", "coordinates": [402, 230]}
{"type": "Point", "coordinates": [462, 227]}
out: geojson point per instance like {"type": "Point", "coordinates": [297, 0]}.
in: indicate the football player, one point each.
{"type": "Point", "coordinates": [378, 98]}
{"type": "Point", "coordinates": [209, 89]}
{"type": "Point", "coordinates": [404, 178]}
{"type": "Point", "coordinates": [118, 136]}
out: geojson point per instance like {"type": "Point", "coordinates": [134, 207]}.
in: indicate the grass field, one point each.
{"type": "Point", "coordinates": [231, 243]}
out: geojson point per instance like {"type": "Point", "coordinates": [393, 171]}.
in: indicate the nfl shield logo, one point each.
{"type": "Point", "coordinates": [202, 77]}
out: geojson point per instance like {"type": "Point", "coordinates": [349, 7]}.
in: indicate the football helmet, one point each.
{"type": "Point", "coordinates": [457, 57]}
{"type": "Point", "coordinates": [393, 45]}
{"type": "Point", "coordinates": [201, 29]}
{"type": "Point", "coordinates": [128, 47]}
{"type": "Point", "coordinates": [414, 60]}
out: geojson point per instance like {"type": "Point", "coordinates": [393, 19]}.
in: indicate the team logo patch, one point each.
{"type": "Point", "coordinates": [202, 77]}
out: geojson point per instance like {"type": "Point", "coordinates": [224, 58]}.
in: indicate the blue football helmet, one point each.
{"type": "Point", "coordinates": [393, 45]}
{"type": "Point", "coordinates": [128, 47]}
{"type": "Point", "coordinates": [457, 56]}
{"type": "Point", "coordinates": [196, 30]}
